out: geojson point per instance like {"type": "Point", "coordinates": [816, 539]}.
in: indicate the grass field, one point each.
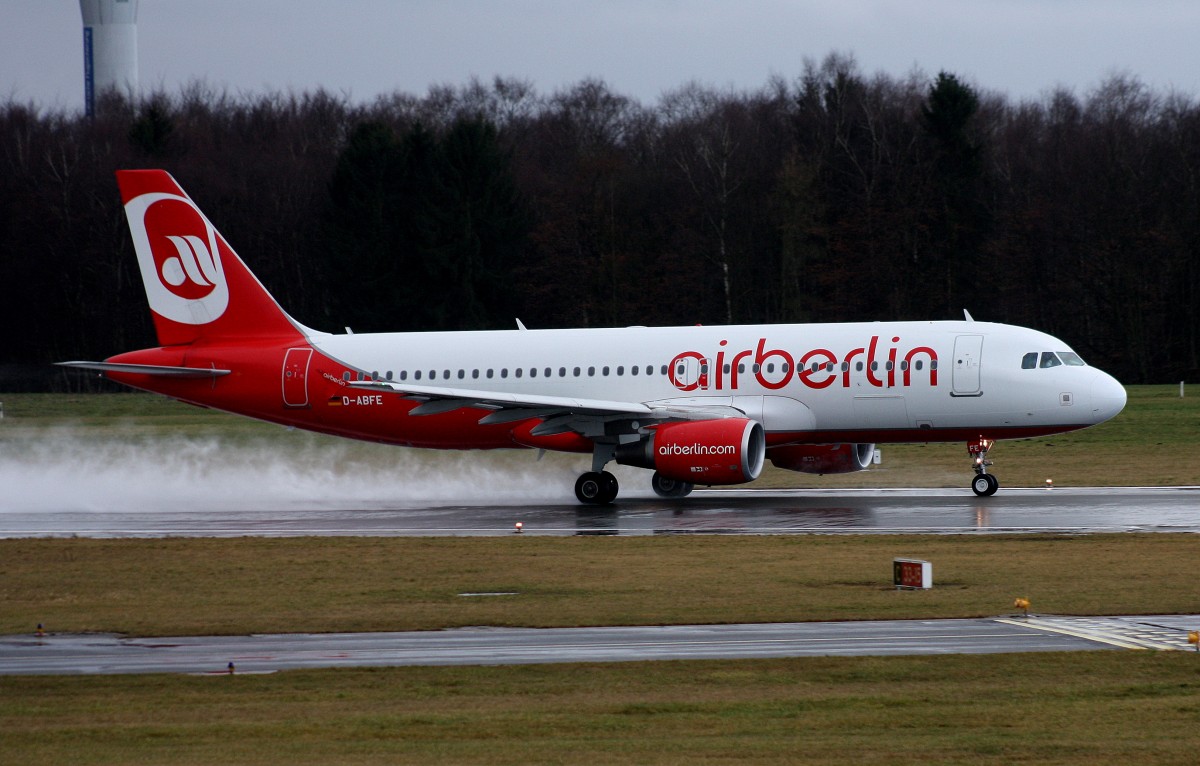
{"type": "Point", "coordinates": [1083, 708]}
{"type": "Point", "coordinates": [1072, 708]}
{"type": "Point", "coordinates": [258, 585]}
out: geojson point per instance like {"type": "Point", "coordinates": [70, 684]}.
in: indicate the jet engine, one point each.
{"type": "Point", "coordinates": [728, 451]}
{"type": "Point", "coordinates": [822, 458]}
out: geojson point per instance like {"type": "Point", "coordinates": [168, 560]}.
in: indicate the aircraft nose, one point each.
{"type": "Point", "coordinates": [1108, 397]}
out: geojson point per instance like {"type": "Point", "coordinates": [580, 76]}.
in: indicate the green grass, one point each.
{"type": "Point", "coordinates": [252, 585]}
{"type": "Point", "coordinates": [1074, 708]}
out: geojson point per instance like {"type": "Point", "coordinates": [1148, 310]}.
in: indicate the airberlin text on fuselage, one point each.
{"type": "Point", "coordinates": [773, 368]}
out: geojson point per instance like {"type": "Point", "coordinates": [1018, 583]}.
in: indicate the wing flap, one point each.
{"type": "Point", "coordinates": [496, 400]}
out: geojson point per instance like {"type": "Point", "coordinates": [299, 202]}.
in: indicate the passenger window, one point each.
{"type": "Point", "coordinates": [489, 373]}
{"type": "Point", "coordinates": [858, 367]}
{"type": "Point", "coordinates": [475, 374]}
{"type": "Point", "coordinates": [346, 375]}
{"type": "Point", "coordinates": [462, 374]}
{"type": "Point", "coordinates": [417, 375]}
{"type": "Point", "coordinates": [445, 375]}
{"type": "Point", "coordinates": [664, 370]}
{"type": "Point", "coordinates": [649, 369]}
{"type": "Point", "coordinates": [519, 372]}
{"type": "Point", "coordinates": [591, 372]}
{"type": "Point", "coordinates": [562, 372]}
{"type": "Point", "coordinates": [504, 372]}
{"type": "Point", "coordinates": [1049, 360]}
{"type": "Point", "coordinates": [404, 375]}
{"type": "Point", "coordinates": [605, 371]}
{"type": "Point", "coordinates": [634, 370]}
{"type": "Point", "coordinates": [1029, 361]}
{"type": "Point", "coordinates": [533, 372]}
{"type": "Point", "coordinates": [919, 364]}
{"type": "Point", "coordinates": [576, 371]}
{"type": "Point", "coordinates": [547, 372]}
{"type": "Point", "coordinates": [621, 370]}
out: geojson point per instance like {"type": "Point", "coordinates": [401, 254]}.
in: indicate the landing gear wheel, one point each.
{"type": "Point", "coordinates": [985, 485]}
{"type": "Point", "coordinates": [664, 487]}
{"type": "Point", "coordinates": [596, 488]}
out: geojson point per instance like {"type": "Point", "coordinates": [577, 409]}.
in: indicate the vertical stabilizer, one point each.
{"type": "Point", "coordinates": [197, 286]}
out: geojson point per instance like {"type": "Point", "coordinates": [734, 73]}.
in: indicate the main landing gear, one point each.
{"type": "Point", "coordinates": [984, 484]}
{"type": "Point", "coordinates": [596, 488]}
{"type": "Point", "coordinates": [599, 487]}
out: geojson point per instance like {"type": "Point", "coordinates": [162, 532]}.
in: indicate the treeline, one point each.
{"type": "Point", "coordinates": [834, 197]}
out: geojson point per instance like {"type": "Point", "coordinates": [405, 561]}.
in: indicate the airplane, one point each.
{"type": "Point", "coordinates": [697, 405]}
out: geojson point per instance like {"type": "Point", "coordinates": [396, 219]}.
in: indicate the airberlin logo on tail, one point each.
{"type": "Point", "coordinates": [179, 256]}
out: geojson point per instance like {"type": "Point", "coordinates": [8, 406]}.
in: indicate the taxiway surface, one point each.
{"type": "Point", "coordinates": [96, 654]}
{"type": "Point", "coordinates": [726, 511]}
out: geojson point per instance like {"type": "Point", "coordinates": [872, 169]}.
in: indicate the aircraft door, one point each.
{"type": "Point", "coordinates": [690, 373]}
{"type": "Point", "coordinates": [967, 352]}
{"type": "Point", "coordinates": [295, 377]}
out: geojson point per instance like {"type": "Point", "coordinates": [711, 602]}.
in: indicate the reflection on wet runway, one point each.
{"type": "Point", "coordinates": [744, 511]}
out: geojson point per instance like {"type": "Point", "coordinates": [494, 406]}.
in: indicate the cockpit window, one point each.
{"type": "Point", "coordinates": [1029, 361]}
{"type": "Point", "coordinates": [1071, 359]}
{"type": "Point", "coordinates": [1049, 359]}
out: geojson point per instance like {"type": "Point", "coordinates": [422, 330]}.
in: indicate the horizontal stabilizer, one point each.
{"type": "Point", "coordinates": [148, 369]}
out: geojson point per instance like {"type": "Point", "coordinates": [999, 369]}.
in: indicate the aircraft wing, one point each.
{"type": "Point", "coordinates": [560, 413]}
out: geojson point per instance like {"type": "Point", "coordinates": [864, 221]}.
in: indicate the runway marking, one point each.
{"type": "Point", "coordinates": [1113, 631]}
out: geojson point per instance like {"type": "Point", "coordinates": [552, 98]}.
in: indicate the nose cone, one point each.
{"type": "Point", "coordinates": [1108, 397]}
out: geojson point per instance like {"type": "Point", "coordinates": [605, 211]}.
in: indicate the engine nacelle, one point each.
{"type": "Point", "coordinates": [728, 451]}
{"type": "Point", "coordinates": [823, 458]}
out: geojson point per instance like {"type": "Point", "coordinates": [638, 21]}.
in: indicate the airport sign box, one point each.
{"type": "Point", "coordinates": [912, 573]}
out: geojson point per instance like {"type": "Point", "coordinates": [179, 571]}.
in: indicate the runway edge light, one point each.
{"type": "Point", "coordinates": [1194, 638]}
{"type": "Point", "coordinates": [912, 574]}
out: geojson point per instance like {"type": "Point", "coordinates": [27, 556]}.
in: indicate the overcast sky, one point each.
{"type": "Point", "coordinates": [641, 48]}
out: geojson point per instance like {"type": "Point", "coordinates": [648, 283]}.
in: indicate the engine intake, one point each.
{"type": "Point", "coordinates": [728, 451]}
{"type": "Point", "coordinates": [823, 458]}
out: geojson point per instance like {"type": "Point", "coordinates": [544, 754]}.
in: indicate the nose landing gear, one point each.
{"type": "Point", "coordinates": [984, 484]}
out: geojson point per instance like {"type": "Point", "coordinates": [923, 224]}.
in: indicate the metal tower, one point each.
{"type": "Point", "coordinates": [109, 49]}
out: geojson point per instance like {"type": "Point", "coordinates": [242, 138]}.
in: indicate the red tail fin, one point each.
{"type": "Point", "coordinates": [196, 284]}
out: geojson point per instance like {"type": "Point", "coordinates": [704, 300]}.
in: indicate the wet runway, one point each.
{"type": "Point", "coordinates": [739, 511]}
{"type": "Point", "coordinates": [71, 654]}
